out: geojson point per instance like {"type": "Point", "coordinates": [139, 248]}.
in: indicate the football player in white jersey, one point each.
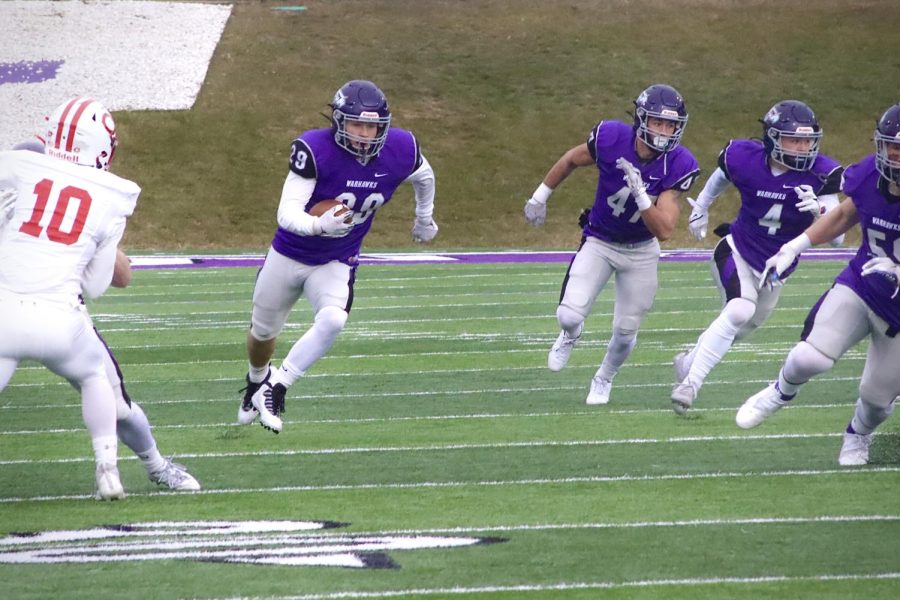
{"type": "Point", "coordinates": [59, 240]}
{"type": "Point", "coordinates": [132, 425]}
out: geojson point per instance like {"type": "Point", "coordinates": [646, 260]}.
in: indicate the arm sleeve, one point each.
{"type": "Point", "coordinates": [99, 272]}
{"type": "Point", "coordinates": [715, 185]}
{"type": "Point", "coordinates": [422, 180]}
{"type": "Point", "coordinates": [830, 202]}
{"type": "Point", "coordinates": [294, 196]}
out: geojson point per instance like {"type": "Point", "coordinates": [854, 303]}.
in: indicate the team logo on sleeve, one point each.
{"type": "Point", "coordinates": [285, 543]}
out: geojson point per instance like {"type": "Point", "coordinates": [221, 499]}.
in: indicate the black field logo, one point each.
{"type": "Point", "coordinates": [285, 543]}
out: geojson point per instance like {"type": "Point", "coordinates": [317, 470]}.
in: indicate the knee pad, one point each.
{"type": "Point", "coordinates": [804, 362]}
{"type": "Point", "coordinates": [568, 318]}
{"type": "Point", "coordinates": [331, 319]}
{"type": "Point", "coordinates": [262, 332]}
{"type": "Point", "coordinates": [739, 312]}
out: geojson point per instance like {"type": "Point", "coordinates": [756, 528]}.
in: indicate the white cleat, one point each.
{"type": "Point", "coordinates": [683, 396]}
{"type": "Point", "coordinates": [269, 401]}
{"type": "Point", "coordinates": [109, 486]}
{"type": "Point", "coordinates": [681, 366]}
{"type": "Point", "coordinates": [247, 413]}
{"type": "Point", "coordinates": [855, 450]}
{"type": "Point", "coordinates": [175, 477]}
{"type": "Point", "coordinates": [759, 407]}
{"type": "Point", "coordinates": [562, 349]}
{"type": "Point", "coordinates": [599, 393]}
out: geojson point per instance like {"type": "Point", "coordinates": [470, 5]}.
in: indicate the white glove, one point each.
{"type": "Point", "coordinates": [784, 258]}
{"type": "Point", "coordinates": [808, 200]}
{"type": "Point", "coordinates": [424, 230]}
{"type": "Point", "coordinates": [535, 212]}
{"type": "Point", "coordinates": [331, 224]}
{"type": "Point", "coordinates": [884, 266]}
{"type": "Point", "coordinates": [699, 219]}
{"type": "Point", "coordinates": [635, 183]}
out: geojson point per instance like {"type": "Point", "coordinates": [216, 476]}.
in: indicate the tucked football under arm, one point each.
{"type": "Point", "coordinates": [295, 193]}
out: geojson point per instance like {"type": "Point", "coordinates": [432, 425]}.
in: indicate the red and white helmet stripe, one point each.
{"type": "Point", "coordinates": [82, 131]}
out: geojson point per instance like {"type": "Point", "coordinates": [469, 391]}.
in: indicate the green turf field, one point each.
{"type": "Point", "coordinates": [434, 416]}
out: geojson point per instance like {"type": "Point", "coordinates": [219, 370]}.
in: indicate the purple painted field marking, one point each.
{"type": "Point", "coordinates": [27, 71]}
{"type": "Point", "coordinates": [251, 260]}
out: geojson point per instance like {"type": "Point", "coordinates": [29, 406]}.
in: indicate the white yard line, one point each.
{"type": "Point", "coordinates": [366, 487]}
{"type": "Point", "coordinates": [594, 585]}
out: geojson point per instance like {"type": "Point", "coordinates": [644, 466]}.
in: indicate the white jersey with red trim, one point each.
{"type": "Point", "coordinates": [64, 215]}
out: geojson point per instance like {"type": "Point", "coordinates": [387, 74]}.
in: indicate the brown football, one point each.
{"type": "Point", "coordinates": [319, 208]}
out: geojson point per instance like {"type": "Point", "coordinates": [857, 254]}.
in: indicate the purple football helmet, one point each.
{"type": "Point", "coordinates": [888, 132]}
{"type": "Point", "coordinates": [793, 119]}
{"type": "Point", "coordinates": [662, 102]}
{"type": "Point", "coordinates": [360, 101]}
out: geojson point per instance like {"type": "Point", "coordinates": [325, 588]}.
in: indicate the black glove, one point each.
{"type": "Point", "coordinates": [583, 217]}
{"type": "Point", "coordinates": [722, 229]}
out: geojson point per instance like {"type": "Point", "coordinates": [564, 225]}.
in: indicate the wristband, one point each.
{"type": "Point", "coordinates": [542, 193]}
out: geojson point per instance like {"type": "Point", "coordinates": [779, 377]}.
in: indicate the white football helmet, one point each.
{"type": "Point", "coordinates": [83, 132]}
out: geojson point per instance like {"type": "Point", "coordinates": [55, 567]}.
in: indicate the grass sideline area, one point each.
{"type": "Point", "coordinates": [496, 91]}
{"type": "Point", "coordinates": [434, 417]}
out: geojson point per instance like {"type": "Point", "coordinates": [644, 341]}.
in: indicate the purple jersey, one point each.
{"type": "Point", "coordinates": [615, 216]}
{"type": "Point", "coordinates": [879, 220]}
{"type": "Point", "coordinates": [768, 216]}
{"type": "Point", "coordinates": [340, 176]}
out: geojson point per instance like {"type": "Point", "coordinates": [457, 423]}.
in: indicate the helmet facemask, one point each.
{"type": "Point", "coordinates": [658, 141]}
{"type": "Point", "coordinates": [364, 148]}
{"type": "Point", "coordinates": [795, 160]}
{"type": "Point", "coordinates": [888, 132]}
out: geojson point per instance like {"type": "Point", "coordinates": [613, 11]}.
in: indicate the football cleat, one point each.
{"type": "Point", "coordinates": [760, 406]}
{"type": "Point", "coordinates": [562, 349]}
{"type": "Point", "coordinates": [247, 413]}
{"type": "Point", "coordinates": [269, 401]}
{"type": "Point", "coordinates": [600, 389]}
{"type": "Point", "coordinates": [855, 450]}
{"type": "Point", "coordinates": [175, 477]}
{"type": "Point", "coordinates": [681, 366]}
{"type": "Point", "coordinates": [109, 486]}
{"type": "Point", "coordinates": [683, 396]}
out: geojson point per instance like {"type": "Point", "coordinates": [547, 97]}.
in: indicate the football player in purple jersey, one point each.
{"type": "Point", "coordinates": [864, 301]}
{"type": "Point", "coordinates": [785, 185]}
{"type": "Point", "coordinates": [359, 161]}
{"type": "Point", "coordinates": [643, 172]}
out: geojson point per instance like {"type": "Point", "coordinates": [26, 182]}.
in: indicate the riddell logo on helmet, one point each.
{"type": "Point", "coordinates": [367, 114]}
{"type": "Point", "coordinates": [62, 155]}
